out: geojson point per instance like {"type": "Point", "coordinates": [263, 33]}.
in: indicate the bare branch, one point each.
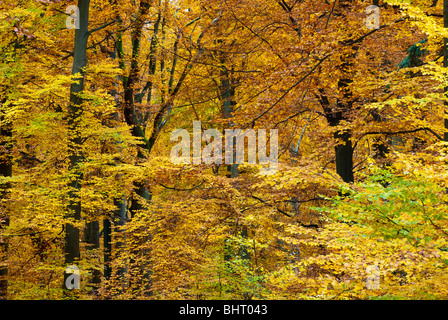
{"type": "Point", "coordinates": [388, 133]}
{"type": "Point", "coordinates": [103, 26]}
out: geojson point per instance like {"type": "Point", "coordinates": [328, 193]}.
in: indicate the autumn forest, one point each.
{"type": "Point", "coordinates": [116, 181]}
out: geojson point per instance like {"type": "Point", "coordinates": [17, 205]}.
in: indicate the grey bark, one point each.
{"type": "Point", "coordinates": [5, 171]}
{"type": "Point", "coordinates": [72, 252]}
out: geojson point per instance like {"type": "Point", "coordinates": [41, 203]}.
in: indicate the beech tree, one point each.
{"type": "Point", "coordinates": [74, 115]}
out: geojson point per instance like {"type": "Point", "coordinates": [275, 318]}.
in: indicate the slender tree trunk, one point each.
{"type": "Point", "coordinates": [92, 239]}
{"type": "Point", "coordinates": [120, 220]}
{"type": "Point", "coordinates": [131, 115]}
{"type": "Point", "coordinates": [227, 97]}
{"type": "Point", "coordinates": [72, 252]}
{"type": "Point", "coordinates": [445, 64]}
{"type": "Point", "coordinates": [5, 171]}
{"type": "Point", "coordinates": [107, 244]}
{"type": "Point", "coordinates": [379, 146]}
{"type": "Point", "coordinates": [141, 263]}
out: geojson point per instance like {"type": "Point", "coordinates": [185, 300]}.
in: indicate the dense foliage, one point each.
{"type": "Point", "coordinates": [86, 177]}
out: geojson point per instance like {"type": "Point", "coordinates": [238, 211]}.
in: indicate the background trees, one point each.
{"type": "Point", "coordinates": [86, 179]}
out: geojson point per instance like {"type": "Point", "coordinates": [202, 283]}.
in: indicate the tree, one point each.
{"type": "Point", "coordinates": [5, 171]}
{"type": "Point", "coordinates": [75, 109]}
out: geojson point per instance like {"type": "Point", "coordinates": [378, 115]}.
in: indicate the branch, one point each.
{"type": "Point", "coordinates": [173, 93]}
{"type": "Point", "coordinates": [272, 206]}
{"type": "Point", "coordinates": [27, 156]}
{"type": "Point", "coordinates": [181, 189]}
{"type": "Point", "coordinates": [388, 133]}
{"type": "Point", "coordinates": [102, 27]}
{"type": "Point", "coordinates": [437, 227]}
{"type": "Point", "coordinates": [353, 41]}
{"type": "Point", "coordinates": [307, 200]}
{"type": "Point", "coordinates": [331, 12]}
{"type": "Point", "coordinates": [311, 225]}
{"type": "Point", "coordinates": [290, 117]}
{"type": "Point", "coordinates": [289, 90]}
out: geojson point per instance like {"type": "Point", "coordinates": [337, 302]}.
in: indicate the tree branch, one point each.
{"type": "Point", "coordinates": [103, 26]}
{"type": "Point", "coordinates": [272, 206]}
{"type": "Point", "coordinates": [289, 90]}
{"type": "Point", "coordinates": [182, 189]}
{"type": "Point", "coordinates": [388, 133]}
{"type": "Point", "coordinates": [350, 42]}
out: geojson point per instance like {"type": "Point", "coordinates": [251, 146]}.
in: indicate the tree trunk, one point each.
{"type": "Point", "coordinates": [445, 64]}
{"type": "Point", "coordinates": [227, 97]}
{"type": "Point", "coordinates": [344, 156]}
{"type": "Point", "coordinates": [92, 239]}
{"type": "Point", "coordinates": [143, 267]}
{"type": "Point", "coordinates": [344, 106]}
{"type": "Point", "coordinates": [74, 117]}
{"type": "Point", "coordinates": [120, 236]}
{"type": "Point", "coordinates": [131, 115]}
{"type": "Point", "coordinates": [344, 149]}
{"type": "Point", "coordinates": [5, 171]}
{"type": "Point", "coordinates": [107, 243]}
